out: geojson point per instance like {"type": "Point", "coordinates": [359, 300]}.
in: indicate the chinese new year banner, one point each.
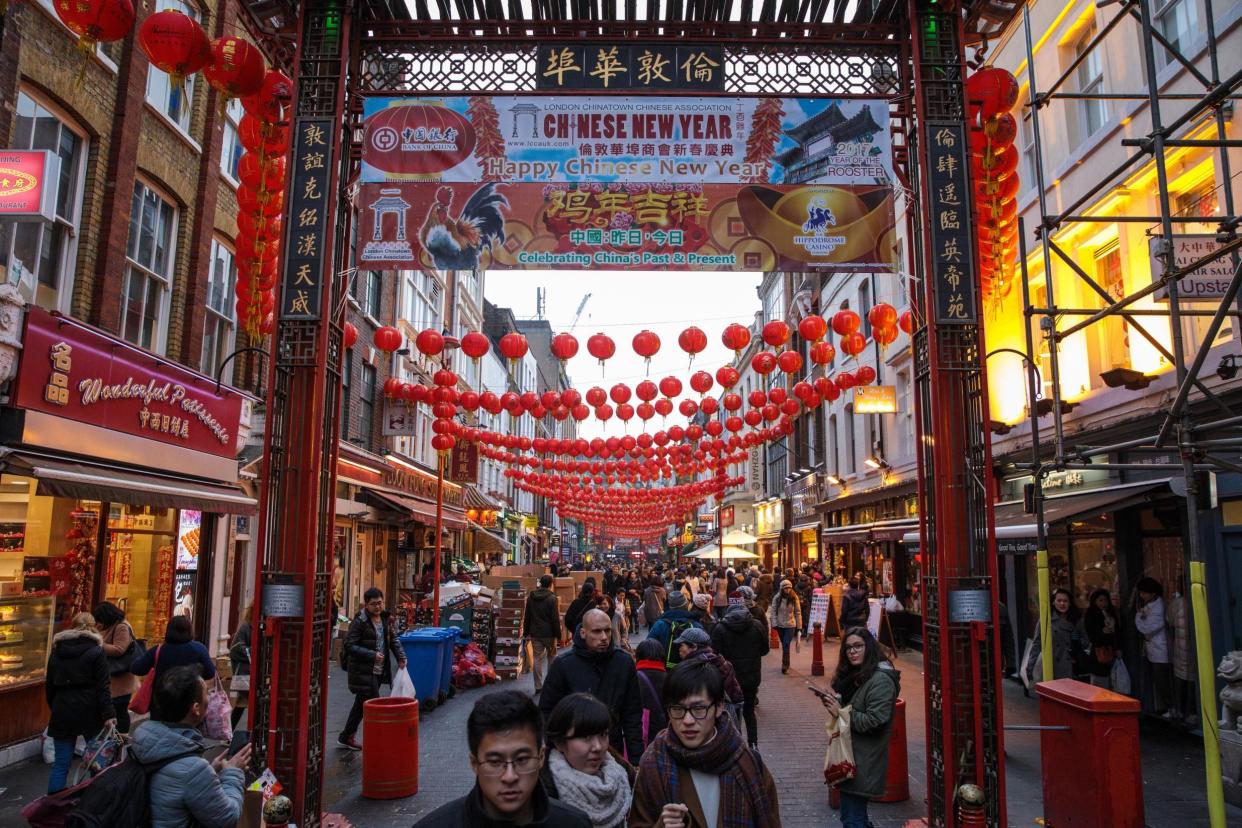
{"type": "Point", "coordinates": [616, 182]}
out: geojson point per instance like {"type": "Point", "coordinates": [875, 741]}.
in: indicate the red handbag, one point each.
{"type": "Point", "coordinates": [141, 702]}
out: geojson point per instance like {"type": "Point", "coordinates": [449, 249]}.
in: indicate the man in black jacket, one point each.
{"type": "Point", "coordinates": [743, 640]}
{"type": "Point", "coordinates": [370, 648]}
{"type": "Point", "coordinates": [597, 667]}
{"type": "Point", "coordinates": [541, 625]}
{"type": "Point", "coordinates": [505, 733]}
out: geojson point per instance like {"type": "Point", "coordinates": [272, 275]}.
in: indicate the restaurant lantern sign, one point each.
{"type": "Point", "coordinates": [28, 185]}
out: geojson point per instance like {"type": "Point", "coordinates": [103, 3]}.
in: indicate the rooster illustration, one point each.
{"type": "Point", "coordinates": [457, 243]}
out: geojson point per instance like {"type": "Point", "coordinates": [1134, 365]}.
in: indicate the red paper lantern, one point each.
{"type": "Point", "coordinates": [845, 322]}
{"type": "Point", "coordinates": [603, 413]}
{"type": "Point", "coordinates": [763, 362]}
{"type": "Point", "coordinates": [625, 412]}
{"type": "Point", "coordinates": [349, 335]}
{"type": "Point", "coordinates": [513, 346]}
{"type": "Point", "coordinates": [736, 337]}
{"type": "Point", "coordinates": [392, 387]}
{"type": "Point", "coordinates": [701, 381]}
{"type": "Point", "coordinates": [757, 399]}
{"type": "Point", "coordinates": [727, 376]}
{"type": "Point", "coordinates": [646, 344]}
{"type": "Point", "coordinates": [853, 344]}
{"type": "Point", "coordinates": [822, 353]}
{"type": "Point", "coordinates": [174, 43]}
{"type": "Point", "coordinates": [475, 345]}
{"type": "Point", "coordinates": [693, 341]}
{"type": "Point", "coordinates": [96, 21]}
{"type": "Point", "coordinates": [601, 347]}
{"type": "Point", "coordinates": [992, 90]}
{"type": "Point", "coordinates": [865, 375]}
{"type": "Point", "coordinates": [812, 328]}
{"type": "Point", "coordinates": [789, 361]}
{"type": "Point", "coordinates": [753, 417]}
{"type": "Point", "coordinates": [429, 342]}
{"type": "Point", "coordinates": [387, 339]}
{"type": "Point", "coordinates": [564, 346]}
{"type": "Point", "coordinates": [688, 407]}
{"type": "Point", "coordinates": [776, 333]}
{"type": "Point", "coordinates": [845, 380]}
{"type": "Point", "coordinates": [664, 406]}
{"type": "Point", "coordinates": [882, 315]}
{"type": "Point", "coordinates": [884, 336]}
{"type": "Point", "coordinates": [731, 401]}
{"type": "Point", "coordinates": [670, 386]}
{"type": "Point", "coordinates": [261, 138]}
{"type": "Point", "coordinates": [580, 412]}
{"type": "Point", "coordinates": [268, 103]}
{"type": "Point", "coordinates": [236, 68]}
{"type": "Point", "coordinates": [596, 396]}
{"type": "Point", "coordinates": [620, 393]}
{"type": "Point", "coordinates": [709, 405]}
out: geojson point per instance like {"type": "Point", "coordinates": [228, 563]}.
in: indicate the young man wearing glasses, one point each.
{"type": "Point", "coordinates": [505, 734]}
{"type": "Point", "coordinates": [699, 773]}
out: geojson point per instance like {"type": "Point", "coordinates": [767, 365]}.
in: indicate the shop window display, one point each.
{"type": "Point", "coordinates": [141, 572]}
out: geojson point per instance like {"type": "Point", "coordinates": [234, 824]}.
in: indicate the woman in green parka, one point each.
{"type": "Point", "coordinates": [869, 685]}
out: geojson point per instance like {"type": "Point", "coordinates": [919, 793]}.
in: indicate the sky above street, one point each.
{"type": "Point", "coordinates": [621, 305]}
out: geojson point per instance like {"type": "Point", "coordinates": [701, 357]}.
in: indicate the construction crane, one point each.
{"type": "Point", "coordinates": [578, 313]}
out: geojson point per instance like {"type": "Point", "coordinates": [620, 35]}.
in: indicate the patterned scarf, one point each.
{"type": "Point", "coordinates": [604, 797]}
{"type": "Point", "coordinates": [744, 800]}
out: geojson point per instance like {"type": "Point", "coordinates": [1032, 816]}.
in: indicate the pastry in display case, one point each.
{"type": "Point", "coordinates": [26, 627]}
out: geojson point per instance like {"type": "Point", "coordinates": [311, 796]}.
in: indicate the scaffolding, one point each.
{"type": "Point", "coordinates": [1201, 427]}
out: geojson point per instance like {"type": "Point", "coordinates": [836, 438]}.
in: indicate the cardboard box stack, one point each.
{"type": "Point", "coordinates": [508, 617]}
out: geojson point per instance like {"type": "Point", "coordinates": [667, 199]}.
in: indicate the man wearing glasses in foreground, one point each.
{"type": "Point", "coordinates": [505, 734]}
{"type": "Point", "coordinates": [699, 773]}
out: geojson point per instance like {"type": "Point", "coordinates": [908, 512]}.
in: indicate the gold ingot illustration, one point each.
{"type": "Point", "coordinates": [778, 218]}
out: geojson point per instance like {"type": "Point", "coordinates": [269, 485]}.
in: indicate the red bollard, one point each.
{"type": "Point", "coordinates": [389, 748]}
{"type": "Point", "coordinates": [897, 780]}
{"type": "Point", "coordinates": [817, 650]}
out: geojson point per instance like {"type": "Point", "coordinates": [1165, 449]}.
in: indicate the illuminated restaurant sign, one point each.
{"type": "Point", "coordinates": [28, 185]}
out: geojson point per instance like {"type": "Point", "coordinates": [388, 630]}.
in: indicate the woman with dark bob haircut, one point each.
{"type": "Point", "coordinates": [581, 770]}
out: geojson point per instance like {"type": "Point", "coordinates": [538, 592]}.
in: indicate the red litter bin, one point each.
{"type": "Point", "coordinates": [897, 779]}
{"type": "Point", "coordinates": [1092, 773]}
{"type": "Point", "coordinates": [389, 748]}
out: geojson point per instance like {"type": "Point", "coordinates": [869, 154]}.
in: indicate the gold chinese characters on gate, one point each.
{"type": "Point", "coordinates": [630, 67]}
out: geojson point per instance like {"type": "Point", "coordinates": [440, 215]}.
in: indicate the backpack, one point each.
{"type": "Point", "coordinates": [115, 797]}
{"type": "Point", "coordinates": [671, 655]}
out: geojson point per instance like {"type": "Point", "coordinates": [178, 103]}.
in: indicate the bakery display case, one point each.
{"type": "Point", "coordinates": [26, 628]}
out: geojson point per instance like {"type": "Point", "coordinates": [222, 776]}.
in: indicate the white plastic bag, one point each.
{"type": "Point", "coordinates": [49, 748]}
{"type": "Point", "coordinates": [1120, 677]}
{"type": "Point", "coordinates": [839, 757]}
{"type": "Point", "coordinates": [403, 685]}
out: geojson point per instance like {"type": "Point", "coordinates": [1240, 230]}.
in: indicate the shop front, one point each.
{"type": "Point", "coordinates": [770, 531]}
{"type": "Point", "coordinates": [117, 473]}
{"type": "Point", "coordinates": [483, 543]}
{"type": "Point", "coordinates": [804, 496]}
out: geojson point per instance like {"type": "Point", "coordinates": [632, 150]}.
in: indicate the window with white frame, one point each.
{"type": "Point", "coordinates": [219, 331]}
{"type": "Point", "coordinates": [1026, 145]}
{"type": "Point", "coordinates": [366, 404]}
{"type": "Point", "coordinates": [1090, 73]}
{"type": "Point", "coordinates": [371, 284]}
{"type": "Point", "coordinates": [149, 260]}
{"type": "Point", "coordinates": [1114, 330]}
{"type": "Point", "coordinates": [37, 257]}
{"type": "Point", "coordinates": [1177, 20]}
{"type": "Point", "coordinates": [774, 302]}
{"type": "Point", "coordinates": [851, 451]}
{"type": "Point", "coordinates": [420, 299]}
{"type": "Point", "coordinates": [169, 98]}
{"type": "Point", "coordinates": [231, 149]}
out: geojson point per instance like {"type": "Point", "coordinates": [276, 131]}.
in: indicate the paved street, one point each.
{"type": "Point", "coordinates": [790, 722]}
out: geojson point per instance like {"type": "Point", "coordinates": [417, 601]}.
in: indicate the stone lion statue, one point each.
{"type": "Point", "coordinates": [1230, 671]}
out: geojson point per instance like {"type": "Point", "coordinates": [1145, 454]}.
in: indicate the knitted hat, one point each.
{"type": "Point", "coordinates": [702, 600]}
{"type": "Point", "coordinates": [677, 600]}
{"type": "Point", "coordinates": [694, 637]}
{"type": "Point", "coordinates": [786, 584]}
{"type": "Point", "coordinates": [737, 611]}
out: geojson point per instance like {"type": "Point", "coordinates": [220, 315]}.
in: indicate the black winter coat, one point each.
{"type": "Point", "coordinates": [854, 609]}
{"type": "Point", "coordinates": [541, 619]}
{"type": "Point", "coordinates": [578, 608]}
{"type": "Point", "coordinates": [609, 676]}
{"type": "Point", "coordinates": [744, 642]}
{"type": "Point", "coordinates": [77, 687]}
{"type": "Point", "coordinates": [468, 812]}
{"type": "Point", "coordinates": [360, 645]}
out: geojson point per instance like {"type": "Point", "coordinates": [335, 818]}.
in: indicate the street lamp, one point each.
{"type": "Point", "coordinates": [875, 461]}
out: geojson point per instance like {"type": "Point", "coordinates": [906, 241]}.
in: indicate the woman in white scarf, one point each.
{"type": "Point", "coordinates": [580, 769]}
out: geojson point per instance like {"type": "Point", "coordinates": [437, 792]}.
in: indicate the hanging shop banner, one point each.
{"type": "Point", "coordinates": [953, 281]}
{"type": "Point", "coordinates": [621, 183]}
{"type": "Point", "coordinates": [1208, 282]}
{"type": "Point", "coordinates": [640, 66]}
{"type": "Point", "coordinates": [28, 185]}
{"type": "Point", "coordinates": [464, 462]}
{"type": "Point", "coordinates": [70, 370]}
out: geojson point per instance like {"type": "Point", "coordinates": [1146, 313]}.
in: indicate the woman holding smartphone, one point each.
{"type": "Point", "coordinates": [869, 685]}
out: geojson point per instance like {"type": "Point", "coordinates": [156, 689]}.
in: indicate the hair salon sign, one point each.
{"type": "Point", "coordinates": [73, 371]}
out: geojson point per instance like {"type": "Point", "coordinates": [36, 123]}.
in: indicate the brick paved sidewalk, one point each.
{"type": "Point", "coordinates": [790, 738]}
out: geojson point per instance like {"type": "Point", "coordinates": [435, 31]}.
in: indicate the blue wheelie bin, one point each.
{"type": "Point", "coordinates": [425, 663]}
{"type": "Point", "coordinates": [448, 640]}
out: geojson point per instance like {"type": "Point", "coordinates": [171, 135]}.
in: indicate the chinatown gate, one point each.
{"type": "Point", "coordinates": [907, 59]}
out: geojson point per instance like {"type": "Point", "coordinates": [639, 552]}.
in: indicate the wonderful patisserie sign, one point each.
{"type": "Point", "coordinates": [74, 371]}
{"type": "Point", "coordinates": [627, 183]}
